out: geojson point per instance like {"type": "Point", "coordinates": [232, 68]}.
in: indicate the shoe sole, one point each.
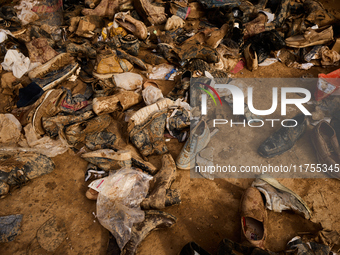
{"type": "Point", "coordinates": [56, 82]}
{"type": "Point", "coordinates": [310, 44]}
{"type": "Point", "coordinates": [38, 70]}
{"type": "Point", "coordinates": [103, 76]}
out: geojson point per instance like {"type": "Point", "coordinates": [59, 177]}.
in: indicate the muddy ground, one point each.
{"type": "Point", "coordinates": [209, 209]}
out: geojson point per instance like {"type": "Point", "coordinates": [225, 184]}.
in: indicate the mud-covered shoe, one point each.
{"type": "Point", "coordinates": [257, 25]}
{"type": "Point", "coordinates": [161, 183]}
{"type": "Point", "coordinates": [154, 15]}
{"type": "Point", "coordinates": [251, 58]}
{"type": "Point", "coordinates": [173, 23]}
{"type": "Point", "coordinates": [131, 24]}
{"type": "Point", "coordinates": [283, 139]}
{"type": "Point", "coordinates": [181, 88]}
{"type": "Point", "coordinates": [134, 60]}
{"type": "Point", "coordinates": [298, 245]}
{"type": "Point", "coordinates": [17, 167]}
{"type": "Point", "coordinates": [53, 125]}
{"type": "Point", "coordinates": [193, 248]}
{"type": "Point", "coordinates": [106, 8]}
{"type": "Point", "coordinates": [311, 37]}
{"type": "Point", "coordinates": [85, 49]}
{"type": "Point", "coordinates": [77, 132]}
{"type": "Point", "coordinates": [40, 51]}
{"type": "Point", "coordinates": [54, 64]}
{"type": "Point", "coordinates": [253, 217]}
{"type": "Point", "coordinates": [198, 140]}
{"type": "Point", "coordinates": [48, 108]}
{"type": "Point", "coordinates": [326, 145]}
{"type": "Point", "coordinates": [130, 44]}
{"type": "Point", "coordinates": [102, 88]}
{"type": "Point", "coordinates": [121, 101]}
{"type": "Point", "coordinates": [53, 78]}
{"type": "Point", "coordinates": [279, 197]}
{"type": "Point", "coordinates": [108, 63]}
{"type": "Point", "coordinates": [107, 159]}
{"type": "Point", "coordinates": [9, 227]}
{"type": "Point", "coordinates": [153, 220]}
{"type": "Point", "coordinates": [317, 14]}
{"type": "Point", "coordinates": [148, 137]}
{"type": "Point", "coordinates": [214, 38]}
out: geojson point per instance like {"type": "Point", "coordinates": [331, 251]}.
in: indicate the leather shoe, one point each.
{"type": "Point", "coordinates": [283, 139]}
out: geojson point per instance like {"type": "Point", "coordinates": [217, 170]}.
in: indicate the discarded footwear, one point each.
{"type": "Point", "coordinates": [123, 55]}
{"type": "Point", "coordinates": [40, 51]}
{"type": "Point", "coordinates": [54, 125]}
{"type": "Point", "coordinates": [297, 246]}
{"type": "Point", "coordinates": [18, 167]}
{"type": "Point", "coordinates": [108, 64]}
{"type": "Point", "coordinates": [107, 159]}
{"type": "Point", "coordinates": [148, 137]}
{"type": "Point", "coordinates": [106, 8]}
{"type": "Point", "coordinates": [251, 58]}
{"type": "Point", "coordinates": [161, 183]}
{"type": "Point", "coordinates": [48, 108]}
{"type": "Point", "coordinates": [121, 101]}
{"type": "Point", "coordinates": [279, 197]}
{"type": "Point", "coordinates": [77, 132]}
{"type": "Point", "coordinates": [214, 38]}
{"type": "Point", "coordinates": [327, 147]}
{"type": "Point", "coordinates": [228, 247]}
{"type": "Point", "coordinates": [85, 49]}
{"type": "Point", "coordinates": [198, 140]}
{"type": "Point", "coordinates": [253, 217]}
{"type": "Point", "coordinates": [52, 79]}
{"type": "Point", "coordinates": [134, 26]}
{"type": "Point", "coordinates": [311, 37]}
{"type": "Point", "coordinates": [153, 220]}
{"type": "Point", "coordinates": [181, 88]}
{"type": "Point", "coordinates": [9, 227]}
{"type": "Point", "coordinates": [283, 139]}
{"type": "Point", "coordinates": [130, 44]}
{"type": "Point", "coordinates": [155, 15]}
{"type": "Point", "coordinates": [54, 64]}
{"type": "Point", "coordinates": [193, 248]}
{"type": "Point", "coordinates": [101, 88]}
{"type": "Point", "coordinates": [257, 25]}
{"type": "Point", "coordinates": [317, 14]}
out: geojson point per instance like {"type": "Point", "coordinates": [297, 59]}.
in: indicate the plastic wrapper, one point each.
{"type": "Point", "coordinates": [151, 95]}
{"type": "Point", "coordinates": [160, 72]}
{"type": "Point", "coordinates": [118, 203]}
{"type": "Point", "coordinates": [327, 84]}
{"type": "Point", "coordinates": [18, 63]}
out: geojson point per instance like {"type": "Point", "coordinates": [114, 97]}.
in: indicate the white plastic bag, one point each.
{"type": "Point", "coordinates": [151, 95]}
{"type": "Point", "coordinates": [160, 72]}
{"type": "Point", "coordinates": [18, 63]}
{"type": "Point", "coordinates": [118, 203]}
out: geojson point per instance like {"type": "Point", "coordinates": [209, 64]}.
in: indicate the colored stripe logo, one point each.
{"type": "Point", "coordinates": [213, 90]}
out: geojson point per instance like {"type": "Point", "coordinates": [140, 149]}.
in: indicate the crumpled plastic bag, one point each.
{"type": "Point", "coordinates": [118, 203]}
{"type": "Point", "coordinates": [160, 72]}
{"type": "Point", "coordinates": [45, 145]}
{"type": "Point", "coordinates": [10, 129]}
{"type": "Point", "coordinates": [151, 95]}
{"type": "Point", "coordinates": [18, 63]}
{"type": "Point", "coordinates": [26, 15]}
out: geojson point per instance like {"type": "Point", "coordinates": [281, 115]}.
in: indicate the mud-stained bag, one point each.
{"type": "Point", "coordinates": [118, 203]}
